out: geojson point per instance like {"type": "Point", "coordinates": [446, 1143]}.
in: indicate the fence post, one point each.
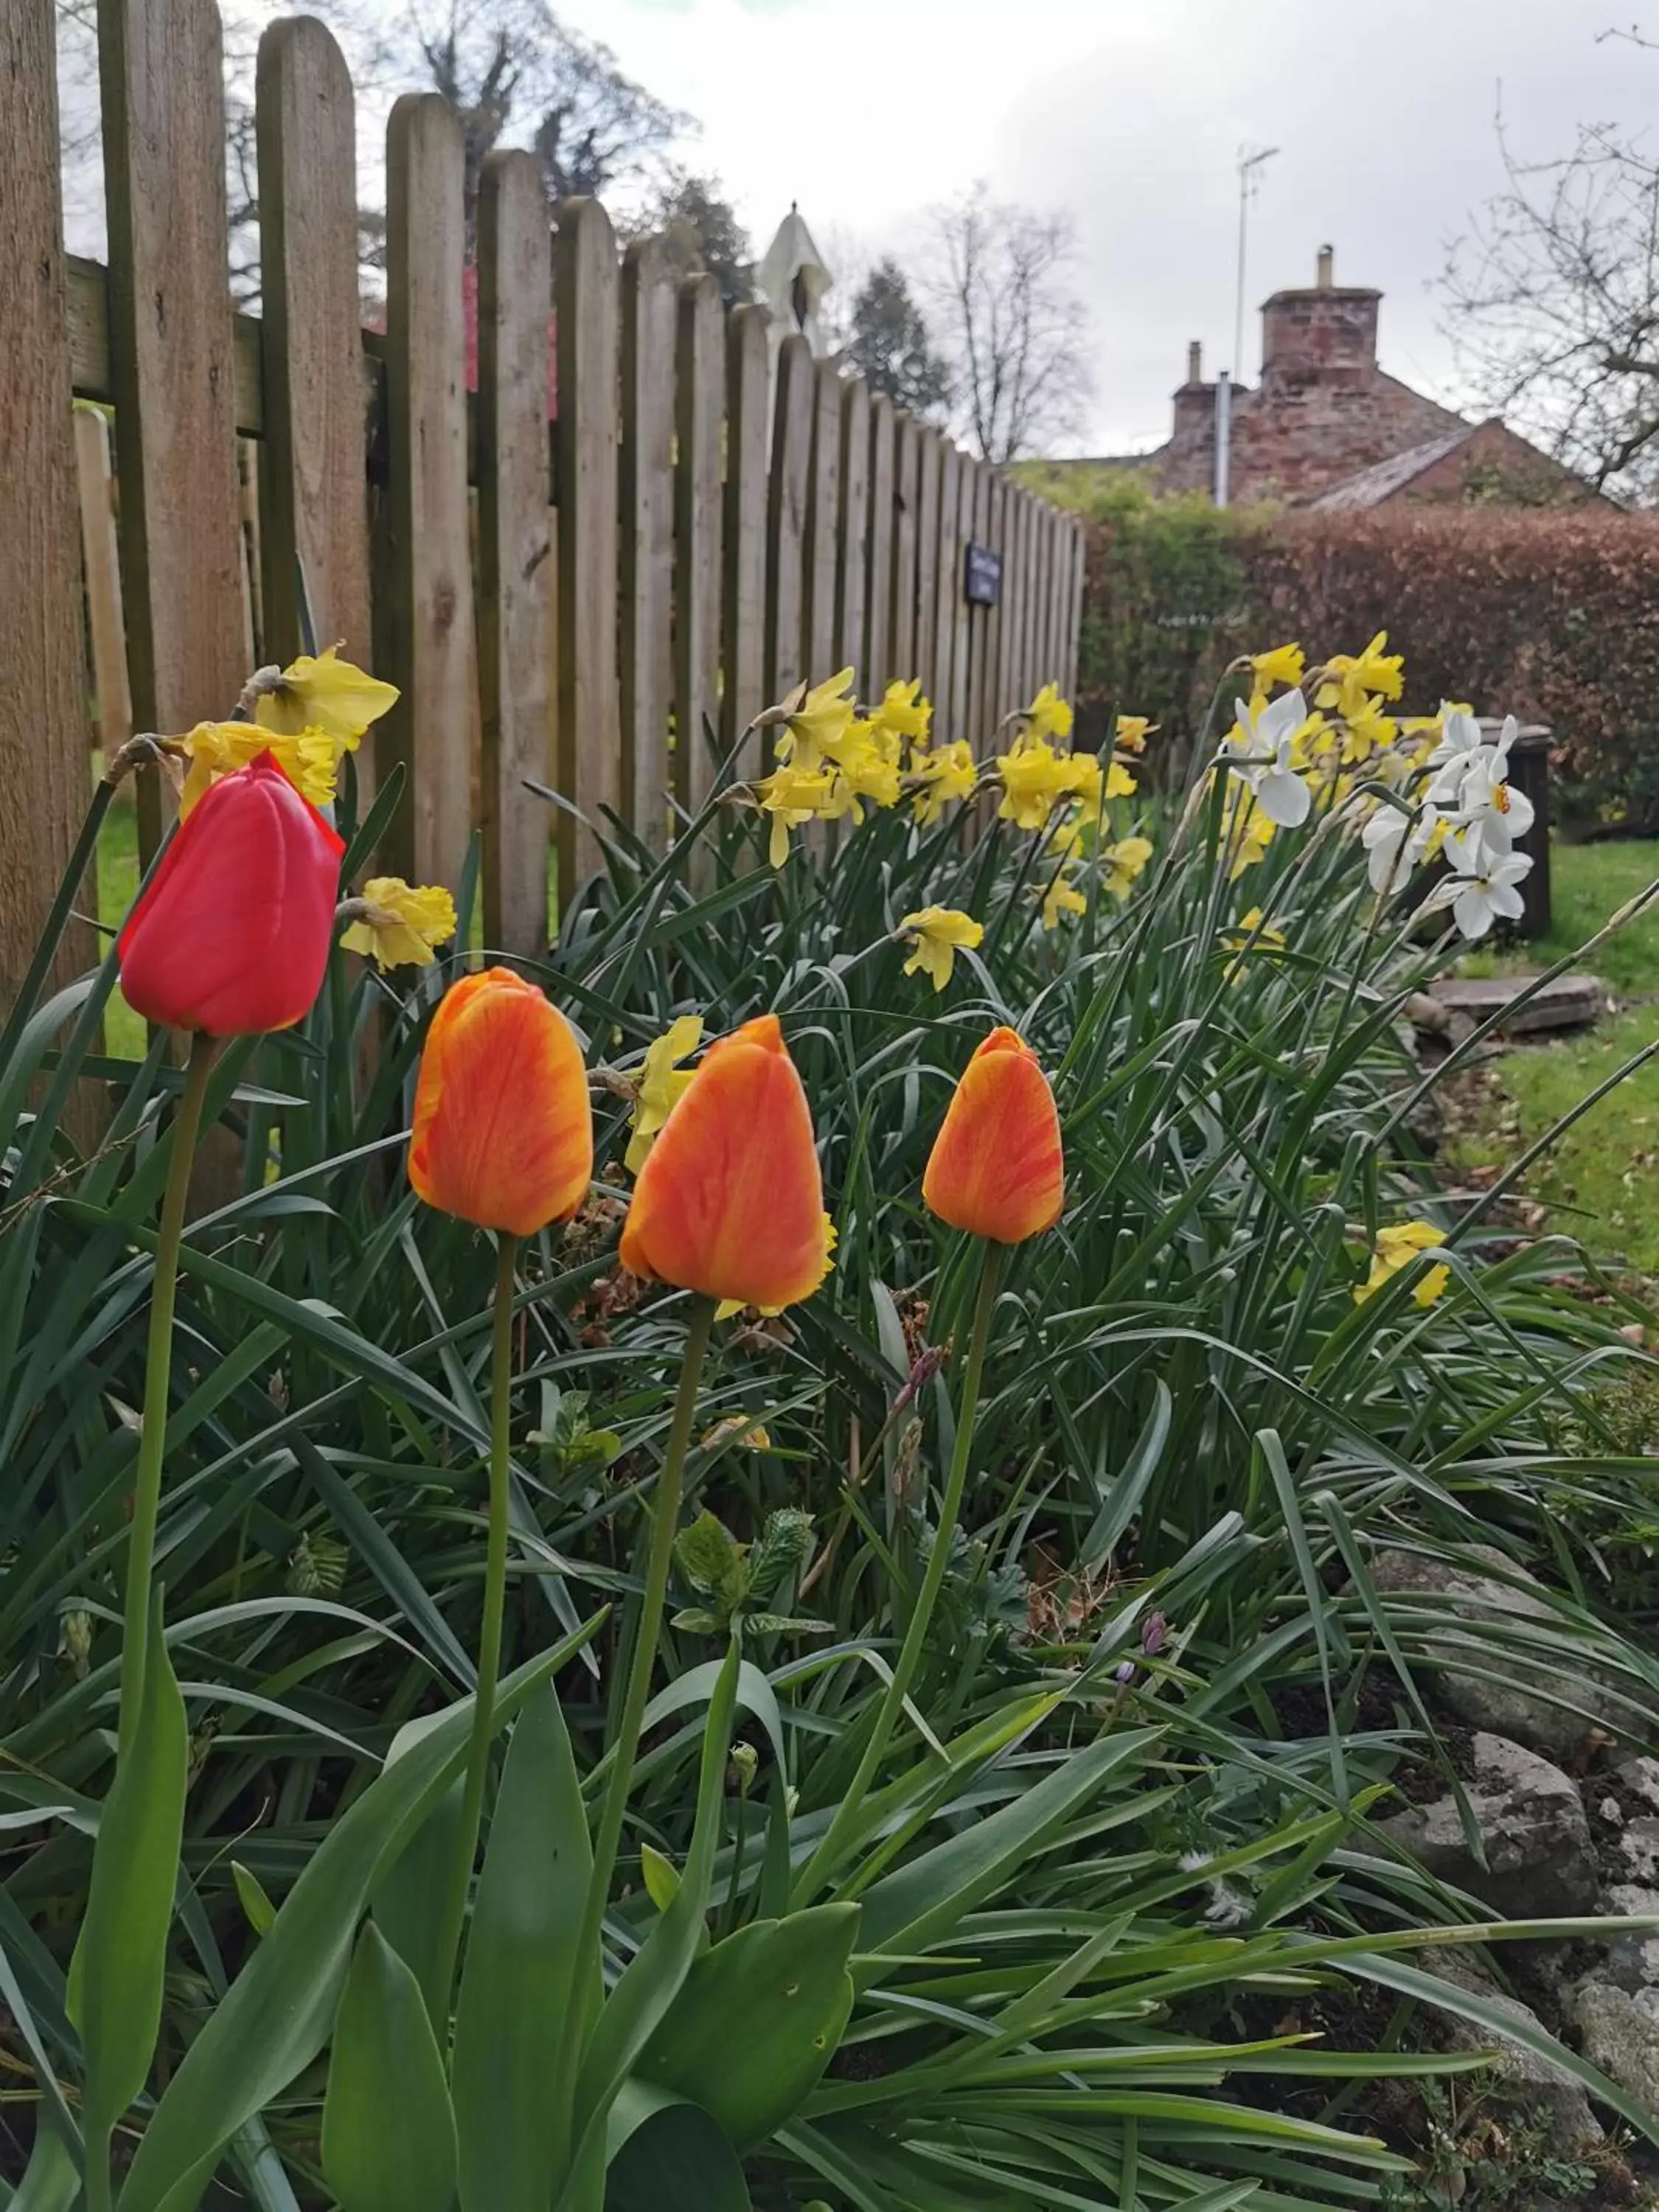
{"type": "Point", "coordinates": [100, 555]}
{"type": "Point", "coordinates": [996, 538]}
{"type": "Point", "coordinates": [172, 369]}
{"type": "Point", "coordinates": [43, 714]}
{"type": "Point", "coordinates": [927, 474]}
{"type": "Point", "coordinates": [786, 514]}
{"type": "Point", "coordinates": [515, 546]}
{"type": "Point", "coordinates": [313, 507]}
{"type": "Point", "coordinates": [428, 586]}
{"type": "Point", "coordinates": [650, 330]}
{"type": "Point", "coordinates": [950, 485]}
{"type": "Point", "coordinates": [878, 567]}
{"type": "Point", "coordinates": [951, 597]}
{"type": "Point", "coordinates": [901, 617]}
{"type": "Point", "coordinates": [823, 508]}
{"type": "Point", "coordinates": [590, 730]}
{"type": "Point", "coordinates": [852, 556]}
{"type": "Point", "coordinates": [747, 468]}
{"type": "Point", "coordinates": [701, 418]}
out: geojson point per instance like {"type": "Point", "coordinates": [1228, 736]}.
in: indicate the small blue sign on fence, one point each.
{"type": "Point", "coordinates": [982, 576]}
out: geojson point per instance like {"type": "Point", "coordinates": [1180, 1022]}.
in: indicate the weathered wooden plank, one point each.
{"type": "Point", "coordinates": [1011, 669]}
{"type": "Point", "coordinates": [701, 416]}
{"type": "Point", "coordinates": [89, 348]}
{"type": "Point", "coordinates": [991, 677]}
{"type": "Point", "coordinates": [43, 709]}
{"type": "Point", "coordinates": [951, 577]}
{"type": "Point", "coordinates": [589, 725]}
{"type": "Point", "coordinates": [247, 553]}
{"type": "Point", "coordinates": [313, 507]}
{"type": "Point", "coordinates": [515, 542]}
{"type": "Point", "coordinates": [949, 484]}
{"type": "Point", "coordinates": [1080, 601]}
{"type": "Point", "coordinates": [1063, 612]}
{"type": "Point", "coordinates": [980, 720]}
{"type": "Point", "coordinates": [748, 464]}
{"type": "Point", "coordinates": [927, 476]}
{"type": "Point", "coordinates": [171, 365]}
{"type": "Point", "coordinates": [901, 616]}
{"type": "Point", "coordinates": [878, 580]}
{"type": "Point", "coordinates": [854, 525]}
{"type": "Point", "coordinates": [650, 323]}
{"type": "Point", "coordinates": [428, 583]}
{"type": "Point", "coordinates": [823, 507]}
{"type": "Point", "coordinates": [101, 561]}
{"type": "Point", "coordinates": [785, 515]}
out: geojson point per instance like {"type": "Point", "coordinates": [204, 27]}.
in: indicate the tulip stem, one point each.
{"type": "Point", "coordinates": [851, 1808]}
{"type": "Point", "coordinates": [489, 1635]}
{"type": "Point", "coordinates": [665, 1526]}
{"type": "Point", "coordinates": [158, 1382]}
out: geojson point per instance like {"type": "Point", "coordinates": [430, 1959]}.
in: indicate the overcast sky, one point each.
{"type": "Point", "coordinates": [1131, 113]}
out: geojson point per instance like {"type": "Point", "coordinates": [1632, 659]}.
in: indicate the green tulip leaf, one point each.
{"type": "Point", "coordinates": [276, 2014]}
{"type": "Point", "coordinates": [121, 1959]}
{"type": "Point", "coordinates": [257, 1907]}
{"type": "Point", "coordinates": [409, 1897]}
{"type": "Point", "coordinates": [523, 1985]}
{"type": "Point", "coordinates": [388, 2131]}
{"type": "Point", "coordinates": [758, 2020]}
{"type": "Point", "coordinates": [668, 2156]}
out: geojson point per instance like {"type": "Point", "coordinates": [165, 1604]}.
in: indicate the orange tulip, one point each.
{"type": "Point", "coordinates": [730, 1201]}
{"type": "Point", "coordinates": [503, 1129]}
{"type": "Point", "coordinates": [996, 1169]}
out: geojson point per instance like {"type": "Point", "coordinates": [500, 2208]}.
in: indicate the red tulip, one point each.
{"type": "Point", "coordinates": [503, 1129]}
{"type": "Point", "coordinates": [730, 1202]}
{"type": "Point", "coordinates": [232, 935]}
{"type": "Point", "coordinates": [996, 1169]}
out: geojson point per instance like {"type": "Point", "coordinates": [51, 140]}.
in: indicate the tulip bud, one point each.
{"type": "Point", "coordinates": [503, 1133]}
{"type": "Point", "coordinates": [729, 1201]}
{"type": "Point", "coordinates": [996, 1169]}
{"type": "Point", "coordinates": [232, 935]}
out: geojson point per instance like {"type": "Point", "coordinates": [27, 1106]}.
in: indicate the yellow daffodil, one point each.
{"type": "Point", "coordinates": [1035, 779]}
{"type": "Point", "coordinates": [904, 712]}
{"type": "Point", "coordinates": [310, 760]}
{"type": "Point", "coordinates": [1248, 831]}
{"type": "Point", "coordinates": [1395, 1249]}
{"type": "Point", "coordinates": [727, 1307]}
{"type": "Point", "coordinates": [1132, 732]}
{"type": "Point", "coordinates": [867, 770]}
{"type": "Point", "coordinates": [793, 795]}
{"type": "Point", "coordinates": [1122, 865]}
{"type": "Point", "coordinates": [946, 774]}
{"type": "Point", "coordinates": [1350, 676]}
{"type": "Point", "coordinates": [1048, 716]}
{"type": "Point", "coordinates": [659, 1084]}
{"type": "Point", "coordinates": [405, 922]}
{"type": "Point", "coordinates": [737, 1429]}
{"type": "Point", "coordinates": [939, 932]}
{"type": "Point", "coordinates": [816, 720]}
{"type": "Point", "coordinates": [1284, 664]}
{"type": "Point", "coordinates": [324, 693]}
{"type": "Point", "coordinates": [1062, 896]}
{"type": "Point", "coordinates": [1369, 732]}
{"type": "Point", "coordinates": [1120, 784]}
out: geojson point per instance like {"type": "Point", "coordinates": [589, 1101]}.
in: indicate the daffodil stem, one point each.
{"type": "Point", "coordinates": [158, 1381]}
{"type": "Point", "coordinates": [494, 1607]}
{"type": "Point", "coordinates": [664, 1523]}
{"type": "Point", "coordinates": [850, 1809]}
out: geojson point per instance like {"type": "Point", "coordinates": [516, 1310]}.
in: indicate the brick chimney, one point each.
{"type": "Point", "coordinates": [1194, 401]}
{"type": "Point", "coordinates": [1327, 334]}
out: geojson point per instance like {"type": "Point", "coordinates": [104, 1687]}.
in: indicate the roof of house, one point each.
{"type": "Point", "coordinates": [1371, 487]}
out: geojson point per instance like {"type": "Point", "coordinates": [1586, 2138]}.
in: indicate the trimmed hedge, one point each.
{"type": "Point", "coordinates": [1550, 615]}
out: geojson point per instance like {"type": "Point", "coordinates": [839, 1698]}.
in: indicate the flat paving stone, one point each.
{"type": "Point", "coordinates": [1571, 1002]}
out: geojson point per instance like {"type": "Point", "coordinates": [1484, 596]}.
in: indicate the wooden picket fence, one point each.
{"type": "Point", "coordinates": [687, 537]}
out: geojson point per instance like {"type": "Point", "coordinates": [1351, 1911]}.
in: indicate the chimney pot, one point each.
{"type": "Point", "coordinates": [1195, 361]}
{"type": "Point", "coordinates": [1326, 277]}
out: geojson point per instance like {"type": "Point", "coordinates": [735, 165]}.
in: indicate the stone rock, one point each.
{"type": "Point", "coordinates": [1510, 1708]}
{"type": "Point", "coordinates": [1640, 1777]}
{"type": "Point", "coordinates": [1540, 1862]}
{"type": "Point", "coordinates": [1636, 1851]}
{"type": "Point", "coordinates": [1527, 2078]}
{"type": "Point", "coordinates": [1620, 2034]}
{"type": "Point", "coordinates": [1631, 1962]}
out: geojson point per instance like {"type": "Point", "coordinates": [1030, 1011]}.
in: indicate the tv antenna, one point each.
{"type": "Point", "coordinates": [1250, 166]}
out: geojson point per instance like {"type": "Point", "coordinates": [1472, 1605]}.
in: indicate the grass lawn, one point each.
{"type": "Point", "coordinates": [1601, 1182]}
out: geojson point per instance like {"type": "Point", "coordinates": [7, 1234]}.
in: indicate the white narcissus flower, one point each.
{"type": "Point", "coordinates": [1260, 747]}
{"type": "Point", "coordinates": [1463, 752]}
{"type": "Point", "coordinates": [1480, 889]}
{"type": "Point", "coordinates": [1492, 815]}
{"type": "Point", "coordinates": [1394, 842]}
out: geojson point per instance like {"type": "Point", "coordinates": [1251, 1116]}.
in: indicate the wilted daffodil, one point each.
{"type": "Point", "coordinates": [1350, 676]}
{"type": "Point", "coordinates": [1397, 1248]}
{"type": "Point", "coordinates": [1122, 865]}
{"type": "Point", "coordinates": [400, 924]}
{"type": "Point", "coordinates": [1282, 664]}
{"type": "Point", "coordinates": [320, 693]}
{"type": "Point", "coordinates": [659, 1085]}
{"type": "Point", "coordinates": [946, 774]}
{"type": "Point", "coordinates": [939, 932]}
